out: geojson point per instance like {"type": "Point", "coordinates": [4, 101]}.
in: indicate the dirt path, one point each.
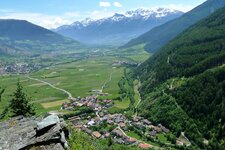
{"type": "Point", "coordinates": [139, 100]}
{"type": "Point", "coordinates": [171, 84]}
{"type": "Point", "coordinates": [107, 81]}
{"type": "Point", "coordinates": [70, 96]}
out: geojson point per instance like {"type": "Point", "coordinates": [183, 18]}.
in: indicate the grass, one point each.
{"type": "Point", "coordinates": [162, 138]}
{"type": "Point", "coordinates": [54, 104]}
{"type": "Point", "coordinates": [133, 135]}
{"type": "Point", "coordinates": [75, 76]}
{"type": "Point", "coordinates": [95, 72]}
{"type": "Point", "coordinates": [136, 93]}
{"type": "Point", "coordinates": [136, 53]}
{"type": "Point", "coordinates": [122, 104]}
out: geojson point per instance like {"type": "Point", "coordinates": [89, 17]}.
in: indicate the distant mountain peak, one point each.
{"type": "Point", "coordinates": [87, 21]}
{"type": "Point", "coordinates": [144, 13]}
{"type": "Point", "coordinates": [118, 28]}
{"type": "Point", "coordinates": [117, 17]}
{"type": "Point", "coordinates": [152, 12]}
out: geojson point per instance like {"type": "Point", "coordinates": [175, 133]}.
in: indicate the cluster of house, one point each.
{"type": "Point", "coordinates": [138, 123]}
{"type": "Point", "coordinates": [99, 92]}
{"type": "Point", "coordinates": [18, 68]}
{"type": "Point", "coordinates": [90, 101]}
{"type": "Point", "coordinates": [120, 124]}
{"type": "Point", "coordinates": [124, 63]}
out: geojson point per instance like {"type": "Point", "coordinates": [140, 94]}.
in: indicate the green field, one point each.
{"type": "Point", "coordinates": [78, 77]}
{"type": "Point", "coordinates": [133, 135]}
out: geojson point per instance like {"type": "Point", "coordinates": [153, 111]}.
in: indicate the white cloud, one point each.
{"type": "Point", "coordinates": [104, 4]}
{"type": "Point", "coordinates": [47, 21]}
{"type": "Point", "coordinates": [117, 4]}
{"type": "Point", "coordinates": [54, 21]}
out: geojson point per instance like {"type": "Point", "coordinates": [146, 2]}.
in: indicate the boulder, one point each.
{"type": "Point", "coordinates": [48, 121]}
{"type": "Point", "coordinates": [27, 133]}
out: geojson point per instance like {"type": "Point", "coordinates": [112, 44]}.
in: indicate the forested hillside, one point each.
{"type": "Point", "coordinates": [157, 37]}
{"type": "Point", "coordinates": [183, 84]}
{"type": "Point", "coordinates": [21, 35]}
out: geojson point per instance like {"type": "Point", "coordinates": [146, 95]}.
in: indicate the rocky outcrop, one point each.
{"type": "Point", "coordinates": [33, 133]}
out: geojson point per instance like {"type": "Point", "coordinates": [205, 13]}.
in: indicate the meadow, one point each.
{"type": "Point", "coordinates": [77, 77]}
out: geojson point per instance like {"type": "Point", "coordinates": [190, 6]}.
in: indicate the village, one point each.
{"type": "Point", "coordinates": [19, 68]}
{"type": "Point", "coordinates": [101, 124]}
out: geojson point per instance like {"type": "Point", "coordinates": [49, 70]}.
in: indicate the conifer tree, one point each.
{"type": "Point", "coordinates": [1, 92]}
{"type": "Point", "coordinates": [20, 103]}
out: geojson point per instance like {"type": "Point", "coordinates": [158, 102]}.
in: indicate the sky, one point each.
{"type": "Point", "coordinates": [54, 13]}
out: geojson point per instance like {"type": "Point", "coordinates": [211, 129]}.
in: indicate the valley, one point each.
{"type": "Point", "coordinates": [94, 73]}
{"type": "Point", "coordinates": [78, 75]}
{"type": "Point", "coordinates": [125, 78]}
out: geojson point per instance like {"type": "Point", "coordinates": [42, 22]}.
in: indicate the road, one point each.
{"type": "Point", "coordinates": [107, 81]}
{"type": "Point", "coordinates": [70, 96]}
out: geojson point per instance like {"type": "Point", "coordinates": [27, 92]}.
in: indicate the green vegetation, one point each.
{"type": "Point", "coordinates": [136, 53]}
{"type": "Point", "coordinates": [77, 72]}
{"type": "Point", "coordinates": [19, 104]}
{"type": "Point", "coordinates": [183, 84]}
{"type": "Point", "coordinates": [81, 141]}
{"type": "Point", "coordinates": [23, 37]}
{"type": "Point", "coordinates": [1, 92]}
{"type": "Point", "coordinates": [162, 138]}
{"type": "Point", "coordinates": [133, 134]}
{"type": "Point", "coordinates": [126, 85]}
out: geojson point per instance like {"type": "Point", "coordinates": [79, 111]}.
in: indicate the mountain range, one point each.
{"type": "Point", "coordinates": [118, 29]}
{"type": "Point", "coordinates": [161, 35]}
{"type": "Point", "coordinates": [183, 84]}
{"type": "Point", "coordinates": [21, 35]}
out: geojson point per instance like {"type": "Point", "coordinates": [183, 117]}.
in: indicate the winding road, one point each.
{"type": "Point", "coordinates": [70, 96]}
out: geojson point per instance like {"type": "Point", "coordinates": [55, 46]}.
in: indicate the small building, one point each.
{"type": "Point", "coordinates": [119, 141]}
{"type": "Point", "coordinates": [96, 134]}
{"type": "Point", "coordinates": [130, 140]}
{"type": "Point", "coordinates": [164, 129]}
{"type": "Point", "coordinates": [146, 122]}
{"type": "Point", "coordinates": [157, 129]}
{"type": "Point", "coordinates": [153, 133]}
{"type": "Point", "coordinates": [78, 126]}
{"type": "Point", "coordinates": [122, 124]}
{"type": "Point", "coordinates": [86, 130]}
{"type": "Point", "coordinates": [110, 121]}
{"type": "Point", "coordinates": [91, 123]}
{"type": "Point", "coordinates": [118, 133]}
{"type": "Point", "coordinates": [144, 145]}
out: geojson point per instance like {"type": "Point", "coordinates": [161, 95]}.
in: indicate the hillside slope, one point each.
{"type": "Point", "coordinates": [183, 84]}
{"type": "Point", "coordinates": [119, 28]}
{"type": "Point", "coordinates": [25, 36]}
{"type": "Point", "coordinates": [161, 35]}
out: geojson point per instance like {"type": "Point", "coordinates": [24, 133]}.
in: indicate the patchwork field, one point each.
{"type": "Point", "coordinates": [77, 77]}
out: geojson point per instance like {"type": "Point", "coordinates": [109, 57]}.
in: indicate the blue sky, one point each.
{"type": "Point", "coordinates": [53, 13]}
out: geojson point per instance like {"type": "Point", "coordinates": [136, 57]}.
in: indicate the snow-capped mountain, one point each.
{"type": "Point", "coordinates": [119, 28]}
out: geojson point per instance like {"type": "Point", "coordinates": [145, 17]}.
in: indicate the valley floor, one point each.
{"type": "Point", "coordinates": [57, 84]}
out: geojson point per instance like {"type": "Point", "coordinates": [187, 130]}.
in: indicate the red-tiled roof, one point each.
{"type": "Point", "coordinates": [144, 145]}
